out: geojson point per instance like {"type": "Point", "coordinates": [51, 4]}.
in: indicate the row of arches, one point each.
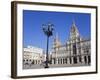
{"type": "Point", "coordinates": [72, 60]}
{"type": "Point", "coordinates": [29, 61]}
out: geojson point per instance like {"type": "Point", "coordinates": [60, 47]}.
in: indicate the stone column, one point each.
{"type": "Point", "coordinates": [56, 60]}
{"type": "Point", "coordinates": [34, 62]}
{"type": "Point", "coordinates": [62, 60]}
{"type": "Point", "coordinates": [52, 61]}
{"type": "Point", "coordinates": [68, 60]}
{"type": "Point", "coordinates": [78, 59]}
{"type": "Point", "coordinates": [72, 60]}
{"type": "Point", "coordinates": [87, 59]}
{"type": "Point", "coordinates": [83, 60]}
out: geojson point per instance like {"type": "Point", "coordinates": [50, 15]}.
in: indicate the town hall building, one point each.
{"type": "Point", "coordinates": [76, 50]}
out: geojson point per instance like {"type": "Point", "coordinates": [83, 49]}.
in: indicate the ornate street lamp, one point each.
{"type": "Point", "coordinates": [48, 31]}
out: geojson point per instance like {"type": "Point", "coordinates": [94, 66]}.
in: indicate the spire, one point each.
{"type": "Point", "coordinates": [56, 36]}
{"type": "Point", "coordinates": [73, 23]}
{"type": "Point", "coordinates": [57, 42]}
{"type": "Point", "coordinates": [74, 31]}
{"type": "Point", "coordinates": [73, 27]}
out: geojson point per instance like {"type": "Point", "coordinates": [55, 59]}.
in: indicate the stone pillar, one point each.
{"type": "Point", "coordinates": [68, 60]}
{"type": "Point", "coordinates": [60, 60]}
{"type": "Point", "coordinates": [56, 60]}
{"type": "Point", "coordinates": [78, 59]}
{"type": "Point", "coordinates": [39, 61]}
{"type": "Point", "coordinates": [52, 61]}
{"type": "Point", "coordinates": [87, 59]}
{"type": "Point", "coordinates": [81, 59]}
{"type": "Point", "coordinates": [34, 61]}
{"type": "Point", "coordinates": [72, 60]}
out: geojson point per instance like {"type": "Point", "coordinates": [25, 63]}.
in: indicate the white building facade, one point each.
{"type": "Point", "coordinates": [33, 55]}
{"type": "Point", "coordinates": [76, 50]}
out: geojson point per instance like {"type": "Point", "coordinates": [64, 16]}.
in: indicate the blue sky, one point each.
{"type": "Point", "coordinates": [33, 20]}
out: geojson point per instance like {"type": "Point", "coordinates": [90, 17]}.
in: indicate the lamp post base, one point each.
{"type": "Point", "coordinates": [46, 66]}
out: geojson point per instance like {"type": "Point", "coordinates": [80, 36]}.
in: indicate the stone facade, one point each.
{"type": "Point", "coordinates": [33, 55]}
{"type": "Point", "coordinates": [76, 50]}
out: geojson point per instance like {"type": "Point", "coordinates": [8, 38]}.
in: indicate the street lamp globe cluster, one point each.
{"type": "Point", "coordinates": [48, 31]}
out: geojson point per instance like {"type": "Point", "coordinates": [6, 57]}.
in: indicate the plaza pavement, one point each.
{"type": "Point", "coordinates": [41, 66]}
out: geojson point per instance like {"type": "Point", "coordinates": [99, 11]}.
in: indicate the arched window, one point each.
{"type": "Point", "coordinates": [66, 60]}
{"type": "Point", "coordinates": [33, 62]}
{"type": "Point", "coordinates": [74, 49]}
{"type": "Point", "coordinates": [75, 59]}
{"type": "Point", "coordinates": [24, 60]}
{"type": "Point", "coordinates": [54, 61]}
{"type": "Point", "coordinates": [80, 60]}
{"type": "Point", "coordinates": [85, 59]}
{"type": "Point", "coordinates": [89, 59]}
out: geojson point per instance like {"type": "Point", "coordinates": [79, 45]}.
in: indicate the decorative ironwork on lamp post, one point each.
{"type": "Point", "coordinates": [48, 31]}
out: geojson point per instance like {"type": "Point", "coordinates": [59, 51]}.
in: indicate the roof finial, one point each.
{"type": "Point", "coordinates": [57, 42]}
{"type": "Point", "coordinates": [73, 23]}
{"type": "Point", "coordinates": [56, 35]}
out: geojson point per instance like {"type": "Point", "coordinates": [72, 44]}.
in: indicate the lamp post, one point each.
{"type": "Point", "coordinates": [48, 31]}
